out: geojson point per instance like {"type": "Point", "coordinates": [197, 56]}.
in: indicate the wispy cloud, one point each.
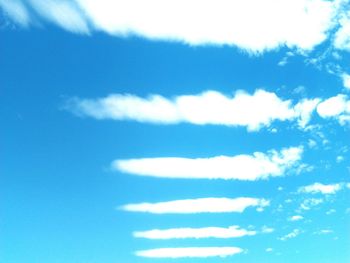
{"type": "Point", "coordinates": [240, 167]}
{"type": "Point", "coordinates": [211, 107]}
{"type": "Point", "coordinates": [267, 230]}
{"type": "Point", "coordinates": [16, 10]}
{"type": "Point", "coordinates": [324, 232]}
{"type": "Point", "coordinates": [206, 232]}
{"type": "Point", "coordinates": [304, 109]}
{"type": "Point", "coordinates": [250, 25]}
{"type": "Point", "coordinates": [331, 211]}
{"type": "Point", "coordinates": [65, 14]}
{"type": "Point", "coordinates": [345, 76]}
{"type": "Point", "coordinates": [320, 188]}
{"type": "Point", "coordinates": [200, 205]}
{"type": "Point", "coordinates": [292, 234]}
{"type": "Point", "coordinates": [253, 111]}
{"type": "Point", "coordinates": [296, 218]}
{"type": "Point", "coordinates": [337, 107]}
{"type": "Point", "coordinates": [308, 203]}
{"type": "Point", "coordinates": [190, 252]}
{"type": "Point", "coordinates": [342, 36]}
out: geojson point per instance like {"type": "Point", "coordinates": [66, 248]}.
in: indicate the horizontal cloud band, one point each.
{"type": "Point", "coordinates": [321, 188]}
{"type": "Point", "coordinates": [200, 205]}
{"type": "Point", "coordinates": [211, 107]}
{"type": "Point", "coordinates": [239, 167]}
{"type": "Point", "coordinates": [190, 252]}
{"type": "Point", "coordinates": [252, 25]}
{"type": "Point", "coordinates": [252, 111]}
{"type": "Point", "coordinates": [206, 232]}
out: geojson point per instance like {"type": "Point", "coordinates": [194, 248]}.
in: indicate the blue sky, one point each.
{"type": "Point", "coordinates": [130, 135]}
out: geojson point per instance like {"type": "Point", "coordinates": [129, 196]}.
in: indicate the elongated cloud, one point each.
{"type": "Point", "coordinates": [200, 205]}
{"type": "Point", "coordinates": [240, 167]}
{"type": "Point", "coordinates": [296, 218]}
{"type": "Point", "coordinates": [346, 77]}
{"type": "Point", "coordinates": [211, 107]}
{"type": "Point", "coordinates": [293, 234]}
{"type": "Point", "coordinates": [206, 232]}
{"type": "Point", "coordinates": [337, 107]}
{"type": "Point", "coordinates": [252, 111]}
{"type": "Point", "coordinates": [252, 25]}
{"type": "Point", "coordinates": [16, 10]}
{"type": "Point", "coordinates": [321, 188]}
{"type": "Point", "coordinates": [342, 36]}
{"type": "Point", "coordinates": [65, 14]}
{"type": "Point", "coordinates": [309, 203]}
{"type": "Point", "coordinates": [190, 252]}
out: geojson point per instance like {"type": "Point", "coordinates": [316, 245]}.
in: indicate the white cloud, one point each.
{"type": "Point", "coordinates": [307, 204]}
{"type": "Point", "coordinates": [292, 234]}
{"type": "Point", "coordinates": [232, 22]}
{"type": "Point", "coordinates": [312, 143]}
{"type": "Point", "coordinates": [333, 106]}
{"type": "Point", "coordinates": [296, 218]}
{"type": "Point", "coordinates": [240, 167]}
{"type": "Point", "coordinates": [304, 109]}
{"type": "Point", "coordinates": [252, 111]}
{"type": "Point", "coordinates": [16, 10]}
{"type": "Point", "coordinates": [269, 249]}
{"type": "Point", "coordinates": [331, 211]}
{"type": "Point", "coordinates": [339, 158]}
{"type": "Point", "coordinates": [200, 205]}
{"type": "Point", "coordinates": [324, 232]}
{"type": "Point", "coordinates": [190, 252]}
{"type": "Point", "coordinates": [267, 230]}
{"type": "Point", "coordinates": [320, 188]}
{"type": "Point", "coordinates": [210, 107]}
{"type": "Point", "coordinates": [65, 14]}
{"type": "Point", "coordinates": [342, 36]}
{"type": "Point", "coordinates": [252, 25]}
{"type": "Point", "coordinates": [337, 107]}
{"type": "Point", "coordinates": [206, 232]}
{"type": "Point", "coordinates": [346, 78]}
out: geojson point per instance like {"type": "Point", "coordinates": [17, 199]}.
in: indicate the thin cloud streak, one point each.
{"type": "Point", "coordinates": [252, 25]}
{"type": "Point", "coordinates": [190, 252]}
{"type": "Point", "coordinates": [200, 205]}
{"type": "Point", "coordinates": [252, 111]}
{"type": "Point", "coordinates": [206, 232]}
{"type": "Point", "coordinates": [321, 188]}
{"type": "Point", "coordinates": [240, 167]}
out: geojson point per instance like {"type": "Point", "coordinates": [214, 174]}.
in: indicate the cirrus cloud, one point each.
{"type": "Point", "coordinates": [190, 252]}
{"type": "Point", "coordinates": [240, 167]}
{"type": "Point", "coordinates": [200, 205]}
{"type": "Point", "coordinates": [205, 232]}
{"type": "Point", "coordinates": [321, 188]}
{"type": "Point", "coordinates": [251, 25]}
{"type": "Point", "coordinates": [252, 111]}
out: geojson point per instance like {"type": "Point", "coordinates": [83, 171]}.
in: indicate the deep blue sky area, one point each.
{"type": "Point", "coordinates": [62, 200]}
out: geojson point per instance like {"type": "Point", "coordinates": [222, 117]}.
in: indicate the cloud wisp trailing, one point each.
{"type": "Point", "coordinates": [205, 232]}
{"type": "Point", "coordinates": [296, 218]}
{"type": "Point", "coordinates": [321, 188]}
{"type": "Point", "coordinates": [240, 167]}
{"type": "Point", "coordinates": [200, 205]}
{"type": "Point", "coordinates": [252, 111]}
{"type": "Point", "coordinates": [190, 252]}
{"type": "Point", "coordinates": [337, 107]}
{"type": "Point", "coordinates": [252, 25]}
{"type": "Point", "coordinates": [293, 234]}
